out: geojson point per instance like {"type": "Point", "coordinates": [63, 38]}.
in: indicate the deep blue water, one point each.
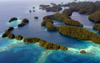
{"type": "Point", "coordinates": [15, 51]}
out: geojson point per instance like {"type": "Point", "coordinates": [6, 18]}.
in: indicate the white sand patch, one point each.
{"type": "Point", "coordinates": [15, 27]}
{"type": "Point", "coordinates": [87, 27]}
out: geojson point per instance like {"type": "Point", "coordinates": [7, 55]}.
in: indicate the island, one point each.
{"type": "Point", "coordinates": [24, 21]}
{"type": "Point", "coordinates": [13, 19]}
{"type": "Point", "coordinates": [73, 28]}
{"type": "Point", "coordinates": [10, 28]}
{"type": "Point", "coordinates": [54, 8]}
{"type": "Point", "coordinates": [67, 12]}
{"type": "Point", "coordinates": [95, 17]}
{"type": "Point", "coordinates": [11, 36]}
{"type": "Point", "coordinates": [79, 33]}
{"type": "Point", "coordinates": [82, 51]}
{"type": "Point", "coordinates": [97, 27]}
{"type": "Point", "coordinates": [63, 17]}
{"type": "Point", "coordinates": [29, 10]}
{"type": "Point", "coordinates": [36, 17]}
{"type": "Point", "coordinates": [83, 7]}
{"type": "Point", "coordinates": [19, 37]}
{"type": "Point", "coordinates": [49, 24]}
{"type": "Point", "coordinates": [33, 7]}
{"type": "Point", "coordinates": [43, 43]}
{"type": "Point", "coordinates": [8, 34]}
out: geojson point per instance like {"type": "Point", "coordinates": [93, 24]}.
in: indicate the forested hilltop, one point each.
{"type": "Point", "coordinates": [84, 7]}
{"type": "Point", "coordinates": [95, 17]}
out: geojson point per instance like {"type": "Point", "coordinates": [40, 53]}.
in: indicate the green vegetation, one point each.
{"type": "Point", "coordinates": [21, 24]}
{"type": "Point", "coordinates": [6, 33]}
{"type": "Point", "coordinates": [42, 43]}
{"type": "Point", "coordinates": [95, 16]}
{"type": "Point", "coordinates": [72, 22]}
{"type": "Point", "coordinates": [45, 21]}
{"type": "Point", "coordinates": [11, 36]}
{"type": "Point", "coordinates": [31, 40]}
{"type": "Point", "coordinates": [12, 19]}
{"type": "Point", "coordinates": [10, 28]}
{"type": "Point", "coordinates": [67, 12]}
{"type": "Point", "coordinates": [36, 17]}
{"type": "Point", "coordinates": [19, 37]}
{"type": "Point", "coordinates": [54, 8]}
{"type": "Point", "coordinates": [24, 21]}
{"type": "Point", "coordinates": [79, 33]}
{"type": "Point", "coordinates": [49, 24]}
{"type": "Point", "coordinates": [82, 11]}
{"type": "Point", "coordinates": [97, 27]}
{"type": "Point", "coordinates": [85, 7]}
{"type": "Point", "coordinates": [82, 51]}
{"type": "Point", "coordinates": [96, 38]}
{"type": "Point", "coordinates": [63, 48]}
{"type": "Point", "coordinates": [45, 44]}
{"type": "Point", "coordinates": [49, 45]}
{"type": "Point", "coordinates": [63, 17]}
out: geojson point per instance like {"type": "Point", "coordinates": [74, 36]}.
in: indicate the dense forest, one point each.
{"type": "Point", "coordinates": [84, 7]}
{"type": "Point", "coordinates": [79, 33]}
{"type": "Point", "coordinates": [97, 27]}
{"type": "Point", "coordinates": [67, 12]}
{"type": "Point", "coordinates": [63, 17]}
{"type": "Point", "coordinates": [95, 16]}
{"type": "Point", "coordinates": [43, 43]}
{"type": "Point", "coordinates": [49, 24]}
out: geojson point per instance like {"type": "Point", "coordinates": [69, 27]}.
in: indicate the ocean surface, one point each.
{"type": "Point", "coordinates": [16, 51]}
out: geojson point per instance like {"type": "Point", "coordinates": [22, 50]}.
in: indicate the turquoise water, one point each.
{"type": "Point", "coordinates": [16, 51]}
